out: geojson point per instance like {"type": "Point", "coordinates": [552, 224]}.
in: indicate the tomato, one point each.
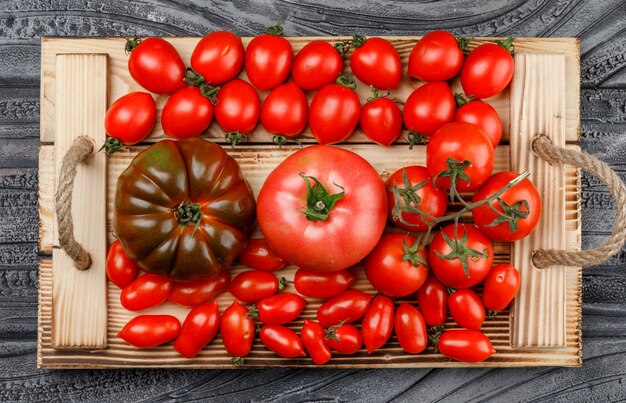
{"type": "Point", "coordinates": [344, 339]}
{"type": "Point", "coordinates": [146, 291]}
{"type": "Point", "coordinates": [282, 340]}
{"type": "Point", "coordinates": [313, 335]}
{"type": "Point", "coordinates": [378, 323]}
{"type": "Point", "coordinates": [429, 108]}
{"type": "Point", "coordinates": [186, 113]}
{"type": "Point", "coordinates": [334, 113]}
{"type": "Point", "coordinates": [501, 286]}
{"type": "Point", "coordinates": [238, 109]}
{"type": "Point", "coordinates": [450, 147]}
{"type": "Point", "coordinates": [129, 120]}
{"type": "Point", "coordinates": [344, 214]}
{"type": "Point", "coordinates": [432, 299]}
{"type": "Point", "coordinates": [447, 250]}
{"type": "Point", "coordinates": [150, 330]}
{"type": "Point", "coordinates": [521, 206]}
{"type": "Point", "coordinates": [155, 65]}
{"type": "Point", "coordinates": [317, 64]}
{"type": "Point", "coordinates": [411, 329]}
{"type": "Point", "coordinates": [197, 292]}
{"type": "Point", "coordinates": [278, 309]}
{"type": "Point", "coordinates": [395, 267]}
{"type": "Point", "coordinates": [285, 110]}
{"type": "Point", "coordinates": [199, 328]}
{"type": "Point", "coordinates": [322, 285]}
{"type": "Point", "coordinates": [381, 120]}
{"type": "Point", "coordinates": [435, 57]}
{"type": "Point", "coordinates": [466, 309]}
{"type": "Point", "coordinates": [347, 307]}
{"type": "Point", "coordinates": [376, 62]}
{"type": "Point", "coordinates": [253, 285]}
{"type": "Point", "coordinates": [237, 330]}
{"type": "Point", "coordinates": [488, 69]}
{"type": "Point", "coordinates": [431, 200]}
{"type": "Point", "coordinates": [258, 255]}
{"type": "Point", "coordinates": [218, 57]}
{"type": "Point", "coordinates": [120, 269]}
{"type": "Point", "coordinates": [465, 345]}
{"type": "Point", "coordinates": [268, 59]}
{"type": "Point", "coordinates": [483, 116]}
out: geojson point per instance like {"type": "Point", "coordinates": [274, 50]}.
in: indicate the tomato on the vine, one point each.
{"type": "Point", "coordinates": [344, 339]}
{"type": "Point", "coordinates": [155, 65]}
{"type": "Point", "coordinates": [429, 108]}
{"type": "Point", "coordinates": [253, 285]}
{"type": "Point", "coordinates": [146, 291]}
{"type": "Point", "coordinates": [259, 256]}
{"type": "Point", "coordinates": [482, 115]}
{"type": "Point", "coordinates": [334, 112]}
{"type": "Point", "coordinates": [381, 119]}
{"type": "Point", "coordinates": [218, 57]}
{"type": "Point", "coordinates": [268, 59]}
{"type": "Point", "coordinates": [347, 307]}
{"type": "Point", "coordinates": [501, 286]}
{"type": "Point", "coordinates": [278, 309]}
{"type": "Point", "coordinates": [129, 120]}
{"type": "Point", "coordinates": [238, 109]}
{"type": "Point", "coordinates": [432, 298]}
{"type": "Point", "coordinates": [465, 345]}
{"type": "Point", "coordinates": [411, 329]}
{"type": "Point", "coordinates": [322, 285]}
{"type": "Point", "coordinates": [199, 328]}
{"type": "Point", "coordinates": [120, 269]}
{"type": "Point", "coordinates": [317, 64]}
{"type": "Point", "coordinates": [282, 341]}
{"type": "Point", "coordinates": [147, 331]}
{"type": "Point", "coordinates": [466, 309]}
{"type": "Point", "coordinates": [435, 57]}
{"type": "Point", "coordinates": [237, 330]}
{"type": "Point", "coordinates": [197, 292]}
{"type": "Point", "coordinates": [285, 111]}
{"type": "Point", "coordinates": [488, 69]}
{"type": "Point", "coordinates": [313, 338]}
{"type": "Point", "coordinates": [377, 323]}
{"type": "Point", "coordinates": [376, 62]}
{"type": "Point", "coordinates": [186, 113]}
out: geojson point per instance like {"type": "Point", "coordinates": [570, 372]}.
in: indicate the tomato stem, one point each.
{"type": "Point", "coordinates": [111, 145]}
{"type": "Point", "coordinates": [507, 44]}
{"type": "Point", "coordinates": [415, 138]}
{"type": "Point", "coordinates": [344, 47]}
{"type": "Point", "coordinates": [235, 138]}
{"type": "Point", "coordinates": [253, 312]}
{"type": "Point", "coordinates": [345, 80]}
{"type": "Point", "coordinates": [131, 44]}
{"type": "Point", "coordinates": [194, 78]}
{"type": "Point", "coordinates": [238, 361]}
{"type": "Point", "coordinates": [460, 100]}
{"type": "Point", "coordinates": [319, 201]}
{"type": "Point", "coordinates": [282, 283]}
{"type": "Point", "coordinates": [188, 212]}
{"type": "Point", "coordinates": [276, 30]}
{"type": "Point", "coordinates": [434, 333]}
{"type": "Point", "coordinates": [464, 43]}
{"type": "Point", "coordinates": [330, 332]}
{"type": "Point", "coordinates": [376, 93]}
{"type": "Point", "coordinates": [282, 140]}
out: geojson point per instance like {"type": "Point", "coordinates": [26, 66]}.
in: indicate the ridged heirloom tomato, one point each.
{"type": "Point", "coordinates": [155, 65]}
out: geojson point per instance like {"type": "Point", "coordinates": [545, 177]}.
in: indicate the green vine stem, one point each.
{"type": "Point", "coordinates": [131, 44]}
{"type": "Point", "coordinates": [507, 44]}
{"type": "Point", "coordinates": [194, 78]}
{"type": "Point", "coordinates": [235, 138]}
{"type": "Point", "coordinates": [276, 30]}
{"type": "Point", "coordinates": [345, 46]}
{"type": "Point", "coordinates": [111, 145]}
{"type": "Point", "coordinates": [345, 80]}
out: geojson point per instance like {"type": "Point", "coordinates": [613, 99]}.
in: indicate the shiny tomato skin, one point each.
{"type": "Point", "coordinates": [285, 110]}
{"type": "Point", "coordinates": [381, 121]}
{"type": "Point", "coordinates": [156, 66]}
{"type": "Point", "coordinates": [377, 63]}
{"type": "Point", "coordinates": [198, 292]}
{"type": "Point", "coordinates": [429, 108]}
{"type": "Point", "coordinates": [322, 285]}
{"type": "Point", "coordinates": [280, 309]}
{"type": "Point", "coordinates": [146, 291]}
{"type": "Point", "coordinates": [465, 345]}
{"type": "Point", "coordinates": [186, 113]}
{"type": "Point", "coordinates": [487, 71]}
{"type": "Point", "coordinates": [377, 323]}
{"type": "Point", "coordinates": [238, 107]}
{"type": "Point", "coordinates": [435, 57]}
{"type": "Point", "coordinates": [282, 340]}
{"type": "Point", "coordinates": [467, 309]}
{"type": "Point", "coordinates": [120, 269]}
{"type": "Point", "coordinates": [317, 64]}
{"type": "Point", "coordinates": [259, 256]}
{"type": "Point", "coordinates": [410, 329]}
{"type": "Point", "coordinates": [347, 339]}
{"type": "Point", "coordinates": [199, 328]}
{"type": "Point", "coordinates": [483, 116]}
{"type": "Point", "coordinates": [501, 286]}
{"type": "Point", "coordinates": [237, 330]}
{"type": "Point", "coordinates": [347, 307]}
{"type": "Point", "coordinates": [131, 118]}
{"type": "Point", "coordinates": [268, 61]}
{"type": "Point", "coordinates": [218, 57]}
{"type": "Point", "coordinates": [433, 201]}
{"type": "Point", "coordinates": [432, 299]}
{"type": "Point", "coordinates": [147, 331]}
{"type": "Point", "coordinates": [253, 285]}
{"type": "Point", "coordinates": [334, 113]}
{"type": "Point", "coordinates": [312, 335]}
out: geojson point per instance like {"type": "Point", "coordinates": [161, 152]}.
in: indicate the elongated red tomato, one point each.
{"type": "Point", "coordinates": [334, 113]}
{"type": "Point", "coordinates": [146, 291]}
{"type": "Point", "coordinates": [155, 65]}
{"type": "Point", "coordinates": [285, 110]}
{"type": "Point", "coordinates": [429, 108]}
{"type": "Point", "coordinates": [268, 59]}
{"type": "Point", "coordinates": [238, 107]}
{"type": "Point", "coordinates": [237, 330]}
{"type": "Point", "coordinates": [465, 345]}
{"type": "Point", "coordinates": [197, 292]}
{"type": "Point", "coordinates": [432, 299]}
{"type": "Point", "coordinates": [218, 57]}
{"type": "Point", "coordinates": [344, 339]}
{"type": "Point", "coordinates": [259, 256]}
{"type": "Point", "coordinates": [199, 328]}
{"type": "Point", "coordinates": [347, 307]}
{"type": "Point", "coordinates": [121, 269]}
{"type": "Point", "coordinates": [411, 329]}
{"type": "Point", "coordinates": [378, 323]}
{"type": "Point", "coordinates": [381, 120]}
{"type": "Point", "coordinates": [278, 309]}
{"type": "Point", "coordinates": [483, 116]}
{"type": "Point", "coordinates": [322, 285]}
{"type": "Point", "coordinates": [129, 120]}
{"type": "Point", "coordinates": [467, 309]}
{"type": "Point", "coordinates": [488, 69]}
{"type": "Point", "coordinates": [147, 331]}
{"type": "Point", "coordinates": [435, 57]}
{"type": "Point", "coordinates": [313, 335]}
{"type": "Point", "coordinates": [282, 340]}
{"type": "Point", "coordinates": [501, 287]}
{"type": "Point", "coordinates": [186, 113]}
{"type": "Point", "coordinates": [253, 285]}
{"type": "Point", "coordinates": [317, 64]}
{"type": "Point", "coordinates": [377, 63]}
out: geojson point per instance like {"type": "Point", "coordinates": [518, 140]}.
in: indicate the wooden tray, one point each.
{"type": "Point", "coordinates": [80, 313]}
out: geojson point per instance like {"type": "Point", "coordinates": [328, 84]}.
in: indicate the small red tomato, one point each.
{"type": "Point", "coordinates": [501, 287]}
{"type": "Point", "coordinates": [186, 113]}
{"type": "Point", "coordinates": [268, 59]}
{"type": "Point", "coordinates": [278, 309]}
{"type": "Point", "coordinates": [411, 329]}
{"type": "Point", "coordinates": [429, 108]}
{"type": "Point", "coordinates": [465, 345]}
{"type": "Point", "coordinates": [381, 120]}
{"type": "Point", "coordinates": [322, 285]}
{"type": "Point", "coordinates": [317, 64]}
{"type": "Point", "coordinates": [147, 331]}
{"type": "Point", "coordinates": [285, 110]}
{"type": "Point", "coordinates": [253, 285]}
{"type": "Point", "coordinates": [466, 309]}
{"type": "Point", "coordinates": [483, 116]}
{"type": "Point", "coordinates": [218, 57]}
{"type": "Point", "coordinates": [121, 269]}
{"type": "Point", "coordinates": [146, 291]}
{"type": "Point", "coordinates": [432, 299]}
{"type": "Point", "coordinates": [155, 65]}
{"type": "Point", "coordinates": [199, 328]}
{"type": "Point", "coordinates": [376, 62]}
{"type": "Point", "coordinates": [313, 335]}
{"type": "Point", "coordinates": [344, 339]}
{"type": "Point", "coordinates": [378, 323]}
{"type": "Point", "coordinates": [488, 69]}
{"type": "Point", "coordinates": [282, 340]}
{"type": "Point", "coordinates": [347, 307]}
{"type": "Point", "coordinates": [238, 107]}
{"type": "Point", "coordinates": [435, 57]}
{"type": "Point", "coordinates": [237, 330]}
{"type": "Point", "coordinates": [334, 113]}
{"type": "Point", "coordinates": [259, 256]}
{"type": "Point", "coordinates": [197, 292]}
{"type": "Point", "coordinates": [129, 120]}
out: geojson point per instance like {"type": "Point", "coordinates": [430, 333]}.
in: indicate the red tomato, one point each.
{"type": "Point", "coordinates": [450, 147]}
{"type": "Point", "coordinates": [285, 110]}
{"type": "Point", "coordinates": [253, 285]}
{"type": "Point", "coordinates": [155, 65]}
{"type": "Point", "coordinates": [435, 57]}
{"type": "Point", "coordinates": [344, 215]}
{"type": "Point", "coordinates": [238, 108]}
{"type": "Point", "coordinates": [521, 204]}
{"type": "Point", "coordinates": [334, 113]}
{"type": "Point", "coordinates": [281, 340]}
{"type": "Point", "coordinates": [313, 334]}
{"type": "Point", "coordinates": [381, 120]}
{"type": "Point", "coordinates": [237, 330]}
{"type": "Point", "coordinates": [150, 330]}
{"type": "Point", "coordinates": [258, 255]}
{"type": "Point", "coordinates": [378, 323]}
{"type": "Point", "coordinates": [482, 115]}
{"type": "Point", "coordinates": [186, 113]}
{"type": "Point", "coordinates": [197, 292]}
{"type": "Point", "coordinates": [278, 309]}
{"type": "Point", "coordinates": [344, 339]}
{"type": "Point", "coordinates": [466, 309]}
{"type": "Point", "coordinates": [121, 269]}
{"type": "Point", "coordinates": [317, 64]}
{"type": "Point", "coordinates": [432, 201]}
{"type": "Point", "coordinates": [322, 285]}
{"type": "Point", "coordinates": [146, 291]}
{"type": "Point", "coordinates": [429, 108]}
{"type": "Point", "coordinates": [447, 251]}
{"type": "Point", "coordinates": [501, 286]}
{"type": "Point", "coordinates": [218, 57]}
{"type": "Point", "coordinates": [487, 70]}
{"type": "Point", "coordinates": [432, 299]}
{"type": "Point", "coordinates": [411, 329]}
{"type": "Point", "coordinates": [199, 328]}
{"type": "Point", "coordinates": [377, 63]}
{"type": "Point", "coordinates": [465, 345]}
{"type": "Point", "coordinates": [347, 307]}
{"type": "Point", "coordinates": [129, 120]}
{"type": "Point", "coordinates": [268, 59]}
{"type": "Point", "coordinates": [395, 267]}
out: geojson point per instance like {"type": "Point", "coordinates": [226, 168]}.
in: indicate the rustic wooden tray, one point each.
{"type": "Point", "coordinates": [80, 313]}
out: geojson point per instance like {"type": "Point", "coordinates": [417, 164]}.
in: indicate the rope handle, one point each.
{"type": "Point", "coordinates": [81, 150]}
{"type": "Point", "coordinates": [543, 148]}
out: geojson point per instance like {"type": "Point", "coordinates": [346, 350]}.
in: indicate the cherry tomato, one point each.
{"type": "Point", "coordinates": [268, 59]}
{"type": "Point", "coordinates": [487, 70]}
{"type": "Point", "coordinates": [347, 307]}
{"type": "Point", "coordinates": [146, 291]}
{"type": "Point", "coordinates": [129, 120]}
{"type": "Point", "coordinates": [377, 63]}
{"type": "Point", "coordinates": [429, 108]}
{"type": "Point", "coordinates": [218, 57]}
{"type": "Point", "coordinates": [253, 285]}
{"type": "Point", "coordinates": [432, 299]}
{"type": "Point", "coordinates": [238, 107]}
{"type": "Point", "coordinates": [317, 64]}
{"type": "Point", "coordinates": [334, 113]}
{"type": "Point", "coordinates": [411, 329]}
{"type": "Point", "coordinates": [344, 339]}
{"type": "Point", "coordinates": [282, 340]}
{"type": "Point", "coordinates": [147, 331]}
{"type": "Point", "coordinates": [465, 345]}
{"type": "Point", "coordinates": [446, 252]}
{"type": "Point", "coordinates": [258, 255]}
{"type": "Point", "coordinates": [435, 57]}
{"type": "Point", "coordinates": [432, 201]}
{"type": "Point", "coordinates": [322, 285]}
{"type": "Point", "coordinates": [278, 309]}
{"type": "Point", "coordinates": [378, 323]}
{"type": "Point", "coordinates": [197, 292]}
{"type": "Point", "coordinates": [186, 113]}
{"type": "Point", "coordinates": [199, 328]}
{"type": "Point", "coordinates": [237, 330]}
{"type": "Point", "coordinates": [466, 309]}
{"type": "Point", "coordinates": [483, 116]}
{"type": "Point", "coordinates": [155, 65]}
{"type": "Point", "coordinates": [521, 204]}
{"type": "Point", "coordinates": [313, 334]}
{"type": "Point", "coordinates": [120, 269]}
{"type": "Point", "coordinates": [501, 286]}
{"type": "Point", "coordinates": [285, 110]}
{"type": "Point", "coordinates": [381, 120]}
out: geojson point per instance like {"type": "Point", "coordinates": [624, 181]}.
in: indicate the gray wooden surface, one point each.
{"type": "Point", "coordinates": [601, 26]}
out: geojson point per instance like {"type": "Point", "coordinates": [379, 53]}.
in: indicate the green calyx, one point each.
{"type": "Point", "coordinates": [276, 30]}
{"type": "Point", "coordinates": [345, 46]}
{"type": "Point", "coordinates": [238, 361]}
{"type": "Point", "coordinates": [345, 80]}
{"type": "Point", "coordinates": [464, 43]}
{"type": "Point", "coordinates": [507, 44]}
{"type": "Point", "coordinates": [460, 100]}
{"type": "Point", "coordinates": [414, 138]}
{"type": "Point", "coordinates": [131, 44]}
{"type": "Point", "coordinates": [188, 212]}
{"type": "Point", "coordinates": [235, 138]}
{"type": "Point", "coordinates": [376, 93]}
{"type": "Point", "coordinates": [456, 172]}
{"type": "Point", "coordinates": [511, 214]}
{"type": "Point", "coordinates": [412, 253]}
{"type": "Point", "coordinates": [194, 78]}
{"type": "Point", "coordinates": [461, 251]}
{"type": "Point", "coordinates": [281, 140]}
{"type": "Point", "coordinates": [434, 333]}
{"type": "Point", "coordinates": [111, 145]}
{"type": "Point", "coordinates": [330, 332]}
{"type": "Point", "coordinates": [319, 201]}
